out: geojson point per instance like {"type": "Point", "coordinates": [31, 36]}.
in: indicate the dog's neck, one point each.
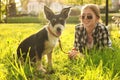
{"type": "Point", "coordinates": [51, 32]}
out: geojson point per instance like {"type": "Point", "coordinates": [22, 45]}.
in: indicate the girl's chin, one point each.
{"type": "Point", "coordinates": [87, 26]}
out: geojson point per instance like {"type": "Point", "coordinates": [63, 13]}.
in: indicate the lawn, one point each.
{"type": "Point", "coordinates": [98, 65]}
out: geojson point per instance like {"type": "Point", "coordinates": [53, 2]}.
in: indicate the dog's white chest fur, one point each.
{"type": "Point", "coordinates": [50, 44]}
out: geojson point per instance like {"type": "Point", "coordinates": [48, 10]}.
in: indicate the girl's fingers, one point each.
{"type": "Point", "coordinates": [73, 54]}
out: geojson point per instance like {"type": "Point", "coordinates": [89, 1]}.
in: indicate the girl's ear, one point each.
{"type": "Point", "coordinates": [48, 13]}
{"type": "Point", "coordinates": [65, 12]}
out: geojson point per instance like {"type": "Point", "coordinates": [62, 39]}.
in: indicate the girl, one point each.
{"type": "Point", "coordinates": [90, 32]}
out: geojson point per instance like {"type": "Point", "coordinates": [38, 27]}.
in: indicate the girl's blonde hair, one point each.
{"type": "Point", "coordinates": [94, 8]}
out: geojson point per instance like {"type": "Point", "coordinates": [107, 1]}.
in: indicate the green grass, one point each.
{"type": "Point", "coordinates": [41, 19]}
{"type": "Point", "coordinates": [98, 65]}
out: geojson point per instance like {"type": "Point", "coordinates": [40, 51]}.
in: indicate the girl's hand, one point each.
{"type": "Point", "coordinates": [73, 54]}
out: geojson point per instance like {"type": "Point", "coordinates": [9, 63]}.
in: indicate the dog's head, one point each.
{"type": "Point", "coordinates": [57, 21]}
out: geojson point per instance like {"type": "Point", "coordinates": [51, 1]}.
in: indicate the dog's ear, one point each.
{"type": "Point", "coordinates": [48, 12]}
{"type": "Point", "coordinates": [65, 12]}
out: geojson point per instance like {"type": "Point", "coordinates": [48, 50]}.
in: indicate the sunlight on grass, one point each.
{"type": "Point", "coordinates": [98, 65]}
{"type": "Point", "coordinates": [3, 72]}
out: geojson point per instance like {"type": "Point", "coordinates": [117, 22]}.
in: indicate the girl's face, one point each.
{"type": "Point", "coordinates": [88, 18]}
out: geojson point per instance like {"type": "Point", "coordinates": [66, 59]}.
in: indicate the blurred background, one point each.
{"type": "Point", "coordinates": [31, 11]}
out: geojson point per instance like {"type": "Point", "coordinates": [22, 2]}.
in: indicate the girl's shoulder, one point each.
{"type": "Point", "coordinates": [100, 26]}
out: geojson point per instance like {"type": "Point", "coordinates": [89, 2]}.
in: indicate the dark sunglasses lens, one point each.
{"type": "Point", "coordinates": [83, 17]}
{"type": "Point", "coordinates": [89, 17]}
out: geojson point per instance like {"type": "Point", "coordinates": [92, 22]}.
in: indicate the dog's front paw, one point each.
{"type": "Point", "coordinates": [42, 70]}
{"type": "Point", "coordinates": [52, 71]}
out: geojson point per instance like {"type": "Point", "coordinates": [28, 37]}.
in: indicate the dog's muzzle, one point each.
{"type": "Point", "coordinates": [59, 31]}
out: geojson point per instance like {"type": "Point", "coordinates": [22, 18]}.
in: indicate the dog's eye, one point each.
{"type": "Point", "coordinates": [53, 20]}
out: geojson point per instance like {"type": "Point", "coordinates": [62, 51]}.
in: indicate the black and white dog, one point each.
{"type": "Point", "coordinates": [45, 40]}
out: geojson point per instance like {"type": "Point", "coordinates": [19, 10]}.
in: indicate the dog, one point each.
{"type": "Point", "coordinates": [43, 42]}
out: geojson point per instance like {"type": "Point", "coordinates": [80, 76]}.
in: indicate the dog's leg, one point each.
{"type": "Point", "coordinates": [49, 58]}
{"type": "Point", "coordinates": [40, 66]}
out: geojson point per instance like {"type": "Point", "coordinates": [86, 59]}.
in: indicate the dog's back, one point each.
{"type": "Point", "coordinates": [33, 45]}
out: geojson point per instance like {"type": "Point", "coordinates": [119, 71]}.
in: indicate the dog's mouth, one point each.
{"type": "Point", "coordinates": [59, 31]}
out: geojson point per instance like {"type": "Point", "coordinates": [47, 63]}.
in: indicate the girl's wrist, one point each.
{"type": "Point", "coordinates": [74, 49]}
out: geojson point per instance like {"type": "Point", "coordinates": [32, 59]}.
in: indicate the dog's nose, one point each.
{"type": "Point", "coordinates": [59, 29]}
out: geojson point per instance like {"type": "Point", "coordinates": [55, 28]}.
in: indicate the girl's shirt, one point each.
{"type": "Point", "coordinates": [100, 37]}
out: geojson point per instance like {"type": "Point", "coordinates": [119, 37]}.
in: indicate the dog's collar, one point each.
{"type": "Point", "coordinates": [52, 32]}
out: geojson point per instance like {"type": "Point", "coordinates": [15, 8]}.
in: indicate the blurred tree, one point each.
{"type": "Point", "coordinates": [0, 13]}
{"type": "Point", "coordinates": [12, 8]}
{"type": "Point", "coordinates": [81, 2]}
{"type": "Point", "coordinates": [24, 4]}
{"type": "Point", "coordinates": [2, 10]}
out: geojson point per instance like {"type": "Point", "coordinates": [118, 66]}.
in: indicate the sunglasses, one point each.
{"type": "Point", "coordinates": [88, 17]}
